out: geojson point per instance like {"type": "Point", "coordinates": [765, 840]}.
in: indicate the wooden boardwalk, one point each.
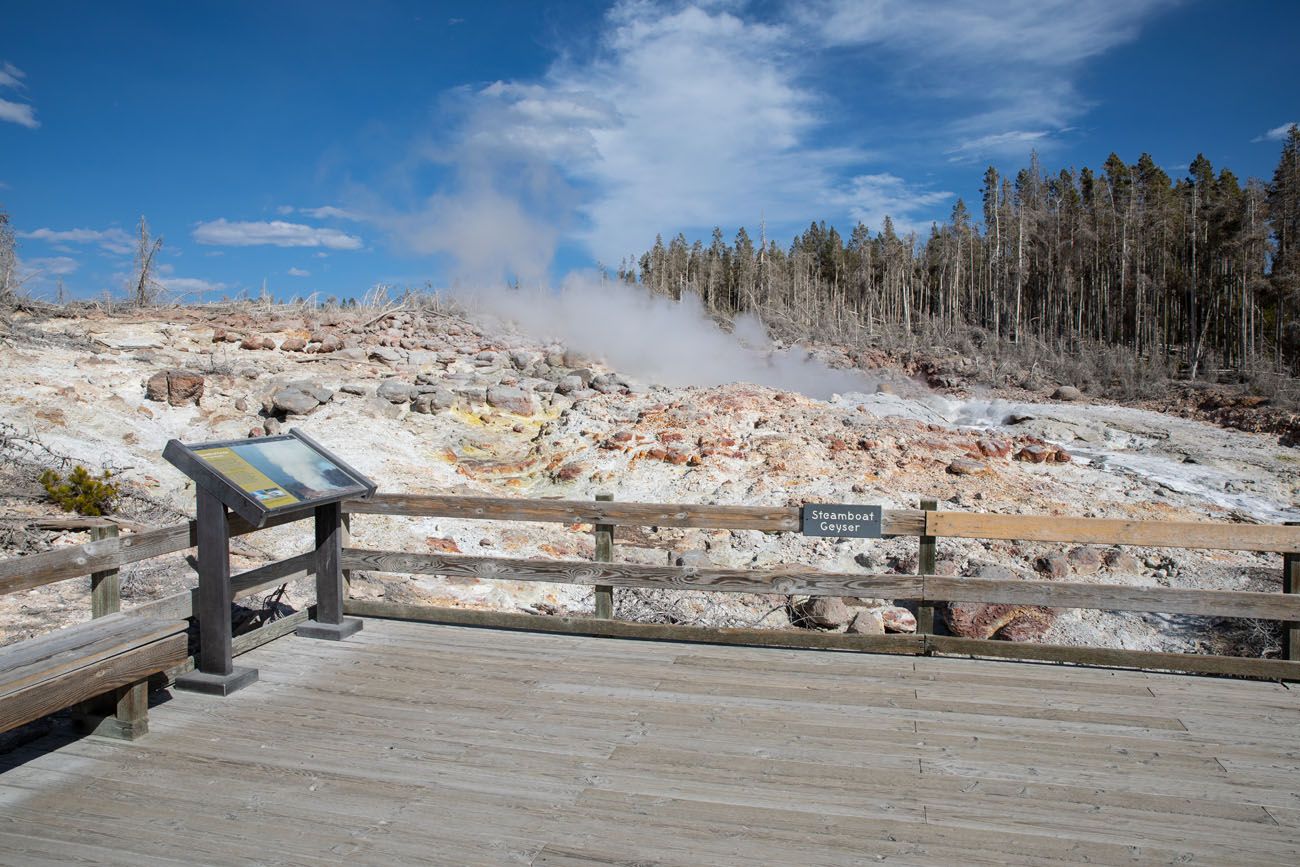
{"type": "Point", "coordinates": [414, 743]}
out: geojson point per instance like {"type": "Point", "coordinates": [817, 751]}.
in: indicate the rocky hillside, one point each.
{"type": "Point", "coordinates": [426, 401]}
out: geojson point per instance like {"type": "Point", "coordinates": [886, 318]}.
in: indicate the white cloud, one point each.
{"type": "Point", "coordinates": [328, 212]}
{"type": "Point", "coordinates": [12, 77]}
{"type": "Point", "coordinates": [190, 285]}
{"type": "Point", "coordinates": [1014, 61]}
{"type": "Point", "coordinates": [16, 112]}
{"type": "Point", "coordinates": [54, 266]}
{"type": "Point", "coordinates": [685, 118]}
{"type": "Point", "coordinates": [113, 240]}
{"type": "Point", "coordinates": [871, 198]}
{"type": "Point", "coordinates": [19, 113]}
{"type": "Point", "coordinates": [299, 272]}
{"type": "Point", "coordinates": [1016, 142]}
{"type": "Point", "coordinates": [1277, 133]}
{"type": "Point", "coordinates": [277, 233]}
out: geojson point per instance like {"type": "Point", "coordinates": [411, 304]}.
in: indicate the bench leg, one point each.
{"type": "Point", "coordinates": [129, 715]}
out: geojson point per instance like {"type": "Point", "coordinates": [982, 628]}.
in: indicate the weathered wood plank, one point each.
{"type": "Point", "coordinates": [904, 644]}
{"type": "Point", "coordinates": [1116, 597]}
{"type": "Point", "coordinates": [89, 681]}
{"type": "Point", "coordinates": [784, 581]}
{"type": "Point", "coordinates": [1271, 669]}
{"type": "Point", "coordinates": [105, 586]}
{"type": "Point", "coordinates": [47, 567]}
{"type": "Point", "coordinates": [604, 549]}
{"type": "Point", "coordinates": [38, 659]}
{"type": "Point", "coordinates": [180, 606]}
{"type": "Point", "coordinates": [1109, 531]}
{"type": "Point", "coordinates": [773, 519]}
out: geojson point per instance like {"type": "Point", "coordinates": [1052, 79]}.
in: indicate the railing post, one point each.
{"type": "Point", "coordinates": [329, 623]}
{"type": "Point", "coordinates": [106, 586]}
{"type": "Point", "coordinates": [1291, 584]}
{"type": "Point", "coordinates": [345, 541]}
{"type": "Point", "coordinates": [604, 554]}
{"type": "Point", "coordinates": [925, 566]}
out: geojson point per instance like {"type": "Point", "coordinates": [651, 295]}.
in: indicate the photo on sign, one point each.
{"type": "Point", "coordinates": [297, 468]}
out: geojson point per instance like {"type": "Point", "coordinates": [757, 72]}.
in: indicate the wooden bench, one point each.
{"type": "Point", "coordinates": [105, 663]}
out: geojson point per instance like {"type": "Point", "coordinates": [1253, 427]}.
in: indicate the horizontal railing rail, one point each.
{"type": "Point", "coordinates": [923, 590]}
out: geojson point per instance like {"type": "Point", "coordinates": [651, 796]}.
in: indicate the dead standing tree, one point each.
{"type": "Point", "coordinates": [146, 287]}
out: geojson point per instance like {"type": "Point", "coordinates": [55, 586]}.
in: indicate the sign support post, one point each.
{"type": "Point", "coordinates": [280, 478]}
{"type": "Point", "coordinates": [215, 673]}
{"type": "Point", "coordinates": [329, 623]}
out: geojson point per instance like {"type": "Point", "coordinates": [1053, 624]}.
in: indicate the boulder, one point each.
{"type": "Point", "coordinates": [1085, 560]}
{"type": "Point", "coordinates": [1034, 454]}
{"type": "Point", "coordinates": [175, 387]}
{"type": "Point", "coordinates": [824, 612]}
{"type": "Point", "coordinates": [868, 622]}
{"type": "Point", "coordinates": [1008, 622]}
{"type": "Point", "coordinates": [293, 401]}
{"type": "Point", "coordinates": [293, 344]}
{"type": "Point", "coordinates": [329, 343]}
{"type": "Point", "coordinates": [569, 384]}
{"type": "Point", "coordinates": [396, 391]}
{"type": "Point", "coordinates": [354, 388]}
{"type": "Point", "coordinates": [522, 359]}
{"type": "Point", "coordinates": [1054, 565]}
{"type": "Point", "coordinates": [432, 401]}
{"type": "Point", "coordinates": [993, 448]}
{"type": "Point", "coordinates": [1067, 392]}
{"type": "Point", "coordinates": [387, 354]}
{"type": "Point", "coordinates": [513, 400]}
{"type": "Point", "coordinates": [967, 467]}
{"type": "Point", "coordinates": [897, 619]}
{"type": "Point", "coordinates": [1121, 561]}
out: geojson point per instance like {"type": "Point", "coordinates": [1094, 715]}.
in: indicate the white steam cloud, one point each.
{"type": "Point", "coordinates": [657, 340]}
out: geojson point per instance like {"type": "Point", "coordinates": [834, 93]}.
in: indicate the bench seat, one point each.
{"type": "Point", "coordinates": [111, 656]}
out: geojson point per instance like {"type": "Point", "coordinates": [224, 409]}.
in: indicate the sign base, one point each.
{"type": "Point", "coordinates": [217, 684]}
{"type": "Point", "coordinates": [329, 631]}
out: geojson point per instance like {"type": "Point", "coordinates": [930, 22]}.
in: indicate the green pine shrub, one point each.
{"type": "Point", "coordinates": [81, 492]}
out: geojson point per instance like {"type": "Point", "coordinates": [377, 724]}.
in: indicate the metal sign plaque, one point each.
{"type": "Point", "coordinates": [266, 476]}
{"type": "Point", "coordinates": [853, 522]}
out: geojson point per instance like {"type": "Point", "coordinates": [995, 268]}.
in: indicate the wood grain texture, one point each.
{"type": "Point", "coordinates": [105, 586]}
{"type": "Point", "coordinates": [1108, 531]}
{"type": "Point", "coordinates": [897, 644]}
{"type": "Point", "coordinates": [47, 567]}
{"type": "Point", "coordinates": [1115, 597]}
{"type": "Point", "coordinates": [604, 553]}
{"type": "Point", "coordinates": [35, 660]}
{"type": "Point", "coordinates": [180, 606]}
{"type": "Point", "coordinates": [1270, 669]}
{"type": "Point", "coordinates": [773, 519]}
{"type": "Point", "coordinates": [924, 588]}
{"type": "Point", "coordinates": [780, 581]}
{"type": "Point", "coordinates": [418, 743]}
{"type": "Point", "coordinates": [89, 681]}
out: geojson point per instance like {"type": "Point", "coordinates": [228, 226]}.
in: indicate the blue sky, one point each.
{"type": "Point", "coordinates": [326, 147]}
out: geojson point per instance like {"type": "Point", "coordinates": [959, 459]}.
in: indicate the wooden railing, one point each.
{"type": "Point", "coordinates": [103, 558]}
{"type": "Point", "coordinates": [925, 590]}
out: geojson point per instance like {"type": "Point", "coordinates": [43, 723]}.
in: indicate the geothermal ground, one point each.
{"type": "Point", "coordinates": [426, 401]}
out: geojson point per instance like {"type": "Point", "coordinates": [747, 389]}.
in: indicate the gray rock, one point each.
{"type": "Point", "coordinates": [523, 359]}
{"type": "Point", "coordinates": [387, 354]}
{"type": "Point", "coordinates": [870, 622]}
{"type": "Point", "coordinates": [352, 354]}
{"type": "Point", "coordinates": [396, 391]}
{"type": "Point", "coordinates": [474, 394]}
{"type": "Point", "coordinates": [428, 378]}
{"type": "Point", "coordinates": [570, 384]}
{"type": "Point", "coordinates": [514, 400]}
{"type": "Point", "coordinates": [272, 427]}
{"type": "Point", "coordinates": [355, 388]}
{"type": "Point", "coordinates": [1067, 392]}
{"type": "Point", "coordinates": [293, 401]}
{"type": "Point", "coordinates": [607, 387]}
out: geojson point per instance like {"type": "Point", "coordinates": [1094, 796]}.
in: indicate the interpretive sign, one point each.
{"type": "Point", "coordinates": [853, 522]}
{"type": "Point", "coordinates": [265, 476]}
